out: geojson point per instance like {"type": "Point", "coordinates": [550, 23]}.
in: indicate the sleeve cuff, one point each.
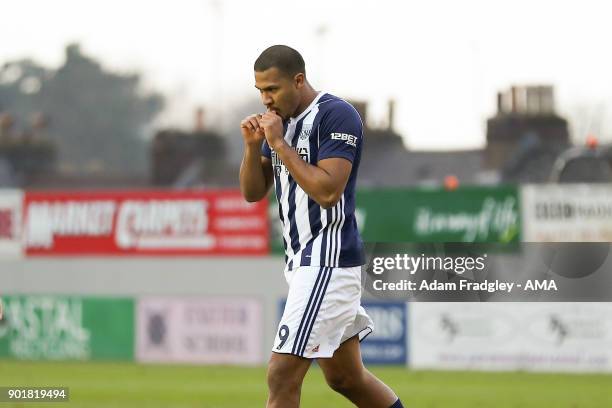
{"type": "Point", "coordinates": [343, 155]}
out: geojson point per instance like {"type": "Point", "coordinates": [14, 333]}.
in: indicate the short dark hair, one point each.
{"type": "Point", "coordinates": [284, 58]}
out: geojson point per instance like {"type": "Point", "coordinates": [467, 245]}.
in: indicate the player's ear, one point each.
{"type": "Point", "coordinates": [299, 80]}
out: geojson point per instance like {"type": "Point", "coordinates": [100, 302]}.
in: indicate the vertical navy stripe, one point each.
{"type": "Point", "coordinates": [293, 230]}
{"type": "Point", "coordinates": [333, 231]}
{"type": "Point", "coordinates": [323, 260]}
{"type": "Point", "coordinates": [349, 225]}
{"type": "Point", "coordinates": [278, 191]}
{"type": "Point", "coordinates": [314, 215]}
{"type": "Point", "coordinates": [337, 232]}
{"type": "Point", "coordinates": [329, 273]}
{"type": "Point", "coordinates": [332, 236]}
{"type": "Point", "coordinates": [314, 289]}
{"type": "Point", "coordinates": [307, 252]}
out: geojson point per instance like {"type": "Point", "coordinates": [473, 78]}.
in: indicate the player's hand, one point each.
{"type": "Point", "coordinates": [252, 132]}
{"type": "Point", "coordinates": [272, 125]}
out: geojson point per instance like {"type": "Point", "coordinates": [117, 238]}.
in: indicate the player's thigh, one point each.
{"type": "Point", "coordinates": [346, 361]}
{"type": "Point", "coordinates": [287, 369]}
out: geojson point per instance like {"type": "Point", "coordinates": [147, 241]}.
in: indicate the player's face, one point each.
{"type": "Point", "coordinates": [279, 92]}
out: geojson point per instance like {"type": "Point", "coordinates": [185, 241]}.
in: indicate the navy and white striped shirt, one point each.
{"type": "Point", "coordinates": [312, 235]}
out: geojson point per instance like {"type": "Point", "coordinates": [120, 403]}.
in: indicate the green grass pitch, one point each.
{"type": "Point", "coordinates": [133, 385]}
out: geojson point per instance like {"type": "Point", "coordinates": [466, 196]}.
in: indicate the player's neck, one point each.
{"type": "Point", "coordinates": [308, 96]}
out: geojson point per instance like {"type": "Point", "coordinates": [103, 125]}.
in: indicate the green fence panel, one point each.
{"type": "Point", "coordinates": [470, 214]}
{"type": "Point", "coordinates": [67, 328]}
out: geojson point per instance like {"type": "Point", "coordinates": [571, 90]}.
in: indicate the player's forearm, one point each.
{"type": "Point", "coordinates": [252, 177]}
{"type": "Point", "coordinates": [315, 182]}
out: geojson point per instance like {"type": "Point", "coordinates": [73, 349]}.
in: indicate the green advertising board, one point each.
{"type": "Point", "coordinates": [67, 328]}
{"type": "Point", "coordinates": [468, 214]}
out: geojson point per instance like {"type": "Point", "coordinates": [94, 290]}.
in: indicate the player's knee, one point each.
{"type": "Point", "coordinates": [342, 382]}
{"type": "Point", "coordinates": [282, 378]}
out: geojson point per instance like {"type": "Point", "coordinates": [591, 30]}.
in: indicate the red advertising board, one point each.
{"type": "Point", "coordinates": [144, 223]}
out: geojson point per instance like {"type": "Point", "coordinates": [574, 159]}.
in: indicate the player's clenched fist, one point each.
{"type": "Point", "coordinates": [272, 125]}
{"type": "Point", "coordinates": [251, 130]}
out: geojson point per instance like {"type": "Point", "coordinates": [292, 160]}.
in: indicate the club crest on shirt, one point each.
{"type": "Point", "coordinates": [305, 132]}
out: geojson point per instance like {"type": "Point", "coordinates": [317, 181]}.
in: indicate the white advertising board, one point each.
{"type": "Point", "coordinates": [566, 213]}
{"type": "Point", "coordinates": [556, 337]}
{"type": "Point", "coordinates": [199, 330]}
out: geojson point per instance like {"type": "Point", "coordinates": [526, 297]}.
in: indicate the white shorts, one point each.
{"type": "Point", "coordinates": [323, 310]}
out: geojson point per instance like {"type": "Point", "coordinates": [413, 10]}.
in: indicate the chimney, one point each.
{"type": "Point", "coordinates": [199, 119]}
{"type": "Point", "coordinates": [547, 100]}
{"type": "Point", "coordinates": [391, 114]}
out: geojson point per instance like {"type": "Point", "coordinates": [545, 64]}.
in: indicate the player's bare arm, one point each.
{"type": "Point", "coordinates": [325, 182]}
{"type": "Point", "coordinates": [255, 170]}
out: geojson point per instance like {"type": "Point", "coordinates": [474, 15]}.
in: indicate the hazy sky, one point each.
{"type": "Point", "coordinates": [442, 61]}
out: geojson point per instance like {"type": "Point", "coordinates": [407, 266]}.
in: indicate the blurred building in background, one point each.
{"type": "Point", "coordinates": [526, 135]}
{"type": "Point", "coordinates": [195, 159]}
{"type": "Point", "coordinates": [25, 154]}
{"type": "Point", "coordinates": [525, 139]}
{"type": "Point", "coordinates": [386, 162]}
{"type": "Point", "coordinates": [77, 126]}
{"type": "Point", "coordinates": [584, 164]}
{"type": "Point", "coordinates": [80, 126]}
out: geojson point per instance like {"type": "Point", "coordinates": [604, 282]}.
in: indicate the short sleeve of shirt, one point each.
{"type": "Point", "coordinates": [340, 133]}
{"type": "Point", "coordinates": [265, 150]}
